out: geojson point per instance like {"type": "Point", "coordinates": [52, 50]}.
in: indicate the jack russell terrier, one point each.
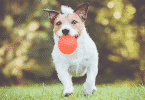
{"type": "Point", "coordinates": [84, 60]}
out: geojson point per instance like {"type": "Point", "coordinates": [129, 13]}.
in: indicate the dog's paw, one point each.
{"type": "Point", "coordinates": [88, 89]}
{"type": "Point", "coordinates": [68, 92]}
{"type": "Point", "coordinates": [90, 93]}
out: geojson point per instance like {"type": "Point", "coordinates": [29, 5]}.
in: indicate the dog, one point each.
{"type": "Point", "coordinates": [84, 60]}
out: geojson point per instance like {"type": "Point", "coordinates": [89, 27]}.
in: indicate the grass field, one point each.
{"type": "Point", "coordinates": [55, 92]}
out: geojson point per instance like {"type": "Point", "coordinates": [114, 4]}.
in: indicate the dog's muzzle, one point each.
{"type": "Point", "coordinates": [66, 31]}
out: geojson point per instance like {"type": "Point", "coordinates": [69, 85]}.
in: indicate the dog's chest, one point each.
{"type": "Point", "coordinates": [78, 64]}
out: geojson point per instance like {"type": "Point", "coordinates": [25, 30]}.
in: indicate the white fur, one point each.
{"type": "Point", "coordinates": [84, 60]}
{"type": "Point", "coordinates": [66, 10]}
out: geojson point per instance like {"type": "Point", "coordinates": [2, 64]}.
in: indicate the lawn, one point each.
{"type": "Point", "coordinates": [55, 92]}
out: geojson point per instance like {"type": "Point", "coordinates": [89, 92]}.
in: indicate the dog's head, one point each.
{"type": "Point", "coordinates": [71, 22]}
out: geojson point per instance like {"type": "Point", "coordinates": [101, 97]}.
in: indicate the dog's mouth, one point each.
{"type": "Point", "coordinates": [76, 36]}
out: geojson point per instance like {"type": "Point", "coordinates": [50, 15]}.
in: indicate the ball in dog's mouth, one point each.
{"type": "Point", "coordinates": [67, 44]}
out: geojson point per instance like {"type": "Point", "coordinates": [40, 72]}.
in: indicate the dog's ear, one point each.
{"type": "Point", "coordinates": [51, 15]}
{"type": "Point", "coordinates": [82, 11]}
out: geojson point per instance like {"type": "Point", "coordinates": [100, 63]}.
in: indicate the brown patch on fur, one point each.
{"type": "Point", "coordinates": [61, 18]}
{"type": "Point", "coordinates": [69, 19]}
{"type": "Point", "coordinates": [79, 25]}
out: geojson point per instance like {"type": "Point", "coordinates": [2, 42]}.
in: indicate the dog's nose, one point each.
{"type": "Point", "coordinates": [65, 31]}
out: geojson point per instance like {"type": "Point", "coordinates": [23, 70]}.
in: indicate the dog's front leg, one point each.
{"type": "Point", "coordinates": [65, 78]}
{"type": "Point", "coordinates": [89, 85]}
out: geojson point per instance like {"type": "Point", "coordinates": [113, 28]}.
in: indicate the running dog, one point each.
{"type": "Point", "coordinates": [84, 60]}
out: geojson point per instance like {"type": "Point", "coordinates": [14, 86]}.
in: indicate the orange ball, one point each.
{"type": "Point", "coordinates": [67, 44]}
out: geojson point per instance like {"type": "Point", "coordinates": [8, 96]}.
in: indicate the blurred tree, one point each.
{"type": "Point", "coordinates": [140, 20]}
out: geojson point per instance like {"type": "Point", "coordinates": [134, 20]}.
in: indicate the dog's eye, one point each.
{"type": "Point", "coordinates": [58, 23]}
{"type": "Point", "coordinates": [74, 22]}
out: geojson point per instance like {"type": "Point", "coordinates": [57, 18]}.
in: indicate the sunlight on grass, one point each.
{"type": "Point", "coordinates": [55, 92]}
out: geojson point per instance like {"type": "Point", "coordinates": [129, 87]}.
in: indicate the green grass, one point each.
{"type": "Point", "coordinates": [55, 92]}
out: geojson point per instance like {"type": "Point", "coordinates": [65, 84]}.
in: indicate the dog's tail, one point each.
{"type": "Point", "coordinates": [66, 10]}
